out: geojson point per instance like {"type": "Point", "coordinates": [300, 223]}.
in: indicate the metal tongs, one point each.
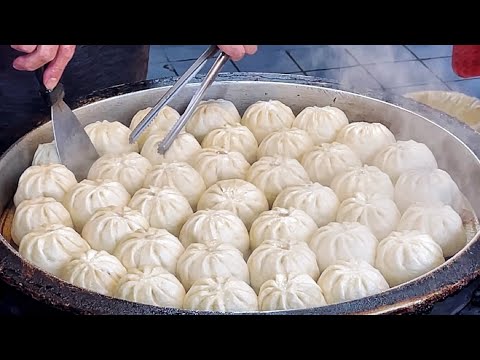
{"type": "Point", "coordinates": [165, 144]}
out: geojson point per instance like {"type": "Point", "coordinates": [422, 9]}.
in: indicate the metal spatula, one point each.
{"type": "Point", "coordinates": [74, 147]}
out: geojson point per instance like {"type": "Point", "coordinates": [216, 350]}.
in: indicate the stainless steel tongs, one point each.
{"type": "Point", "coordinates": [165, 144]}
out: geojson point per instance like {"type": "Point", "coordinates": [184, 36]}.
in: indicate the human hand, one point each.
{"type": "Point", "coordinates": [56, 56]}
{"type": "Point", "coordinates": [237, 52]}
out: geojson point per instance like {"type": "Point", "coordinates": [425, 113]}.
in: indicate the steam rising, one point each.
{"type": "Point", "coordinates": [381, 62]}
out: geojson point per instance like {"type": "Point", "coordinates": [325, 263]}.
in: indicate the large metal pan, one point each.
{"type": "Point", "coordinates": [456, 146]}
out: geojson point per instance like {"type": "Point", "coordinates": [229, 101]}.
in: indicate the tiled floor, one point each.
{"type": "Point", "coordinates": [399, 68]}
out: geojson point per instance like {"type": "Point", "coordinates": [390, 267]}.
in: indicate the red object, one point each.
{"type": "Point", "coordinates": [466, 60]}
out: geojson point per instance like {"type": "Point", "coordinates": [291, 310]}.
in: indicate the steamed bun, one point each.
{"type": "Point", "coordinates": [288, 224]}
{"type": "Point", "coordinates": [222, 294]}
{"type": "Point", "coordinates": [289, 143]}
{"type": "Point", "coordinates": [163, 121]}
{"type": "Point", "coordinates": [427, 186]}
{"type": "Point", "coordinates": [351, 280]}
{"type": "Point", "coordinates": [152, 247]}
{"type": "Point", "coordinates": [52, 180]}
{"type": "Point", "coordinates": [97, 271]}
{"type": "Point", "coordinates": [367, 179]}
{"type": "Point", "coordinates": [110, 137]}
{"type": "Point", "coordinates": [86, 197]}
{"type": "Point", "coordinates": [31, 214]}
{"type": "Point", "coordinates": [265, 117]}
{"type": "Point", "coordinates": [322, 123]}
{"type": "Point", "coordinates": [439, 221]}
{"type": "Point", "coordinates": [183, 148]}
{"type": "Point", "coordinates": [214, 258]}
{"type": "Point", "coordinates": [326, 161]}
{"type": "Point", "coordinates": [290, 291]}
{"type": "Point", "coordinates": [46, 154]}
{"type": "Point", "coordinates": [50, 247]}
{"type": "Point", "coordinates": [401, 156]}
{"type": "Point", "coordinates": [222, 225]}
{"type": "Point", "coordinates": [239, 196]}
{"type": "Point", "coordinates": [343, 241]}
{"type": "Point", "coordinates": [377, 212]}
{"type": "Point", "coordinates": [406, 255]}
{"type": "Point", "coordinates": [318, 201]}
{"type": "Point", "coordinates": [151, 286]}
{"type": "Point", "coordinates": [109, 225]}
{"type": "Point", "coordinates": [273, 257]}
{"type": "Point", "coordinates": [129, 169]}
{"type": "Point", "coordinates": [273, 174]}
{"type": "Point", "coordinates": [365, 139]}
{"type": "Point", "coordinates": [180, 176]}
{"type": "Point", "coordinates": [210, 115]}
{"type": "Point", "coordinates": [164, 208]}
{"type": "Point", "coordinates": [216, 164]}
{"type": "Point", "coordinates": [233, 138]}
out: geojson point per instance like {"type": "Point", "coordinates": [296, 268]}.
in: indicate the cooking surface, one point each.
{"type": "Point", "coordinates": [12, 302]}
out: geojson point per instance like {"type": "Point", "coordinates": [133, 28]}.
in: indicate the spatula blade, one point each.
{"type": "Point", "coordinates": [74, 147]}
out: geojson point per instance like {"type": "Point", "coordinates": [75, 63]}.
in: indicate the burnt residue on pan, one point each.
{"type": "Point", "coordinates": [414, 297]}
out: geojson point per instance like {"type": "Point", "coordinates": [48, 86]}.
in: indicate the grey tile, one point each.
{"type": "Point", "coordinates": [469, 87]}
{"type": "Point", "coordinates": [442, 67]}
{"type": "Point", "coordinates": [431, 51]}
{"type": "Point", "coordinates": [405, 73]}
{"type": "Point", "coordinates": [268, 61]}
{"type": "Point", "coordinates": [374, 54]}
{"type": "Point", "coordinates": [160, 70]}
{"type": "Point", "coordinates": [157, 54]}
{"type": "Point", "coordinates": [282, 47]}
{"type": "Point", "coordinates": [355, 76]}
{"type": "Point", "coordinates": [182, 66]}
{"type": "Point", "coordinates": [322, 57]}
{"type": "Point", "coordinates": [410, 89]}
{"type": "Point", "coordinates": [184, 52]}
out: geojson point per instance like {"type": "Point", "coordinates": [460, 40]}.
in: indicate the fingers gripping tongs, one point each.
{"type": "Point", "coordinates": [165, 144]}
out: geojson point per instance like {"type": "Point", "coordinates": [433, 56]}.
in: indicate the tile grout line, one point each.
{"type": "Point", "coordinates": [421, 62]}
{"type": "Point", "coordinates": [363, 67]}
{"type": "Point", "coordinates": [295, 62]}
{"type": "Point", "coordinates": [235, 65]}
{"type": "Point", "coordinates": [332, 68]}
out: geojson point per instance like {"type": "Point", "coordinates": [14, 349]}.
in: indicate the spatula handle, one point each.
{"type": "Point", "coordinates": [49, 96]}
{"type": "Point", "coordinates": [39, 74]}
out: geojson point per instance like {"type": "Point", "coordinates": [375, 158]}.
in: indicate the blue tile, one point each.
{"type": "Point", "coordinates": [404, 73]}
{"type": "Point", "coordinates": [355, 76]}
{"type": "Point", "coordinates": [182, 66]}
{"type": "Point", "coordinates": [160, 70]}
{"type": "Point", "coordinates": [431, 51]}
{"type": "Point", "coordinates": [157, 54]}
{"type": "Point", "coordinates": [442, 67]}
{"type": "Point", "coordinates": [184, 52]}
{"type": "Point", "coordinates": [322, 57]}
{"type": "Point", "coordinates": [268, 61]}
{"type": "Point", "coordinates": [470, 87]}
{"type": "Point", "coordinates": [411, 89]}
{"type": "Point", "coordinates": [374, 54]}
